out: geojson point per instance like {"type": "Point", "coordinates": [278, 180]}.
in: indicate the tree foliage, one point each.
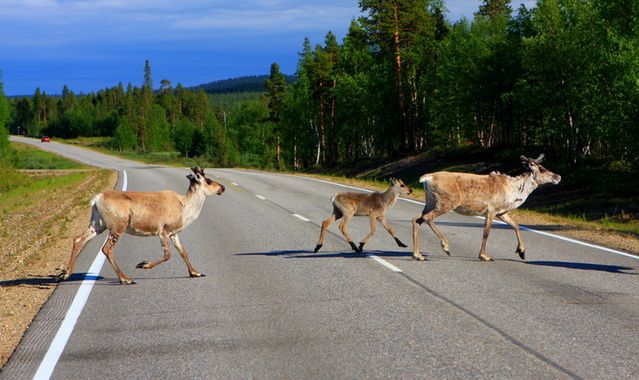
{"type": "Point", "coordinates": [560, 77]}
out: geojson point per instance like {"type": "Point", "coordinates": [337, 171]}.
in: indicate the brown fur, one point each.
{"type": "Point", "coordinates": [492, 195]}
{"type": "Point", "coordinates": [163, 213]}
{"type": "Point", "coordinates": [374, 205]}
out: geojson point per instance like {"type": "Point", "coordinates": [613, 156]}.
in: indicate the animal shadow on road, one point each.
{"type": "Point", "coordinates": [309, 254]}
{"type": "Point", "coordinates": [585, 266]}
{"type": "Point", "coordinates": [46, 281]}
{"type": "Point", "coordinates": [499, 226]}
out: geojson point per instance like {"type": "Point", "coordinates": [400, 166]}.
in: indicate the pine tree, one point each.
{"type": "Point", "coordinates": [275, 90]}
{"type": "Point", "coordinates": [148, 82]}
{"type": "Point", "coordinates": [332, 50]}
{"type": "Point", "coordinates": [494, 9]}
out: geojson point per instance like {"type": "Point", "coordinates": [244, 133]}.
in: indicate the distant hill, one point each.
{"type": "Point", "coordinates": [253, 83]}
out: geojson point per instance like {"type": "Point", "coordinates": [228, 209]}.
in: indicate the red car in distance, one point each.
{"type": "Point", "coordinates": [45, 139]}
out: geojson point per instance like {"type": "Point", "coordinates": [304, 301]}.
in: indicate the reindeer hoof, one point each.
{"type": "Point", "coordinates": [361, 246]}
{"type": "Point", "coordinates": [317, 248]}
{"type": "Point", "coordinates": [143, 265]}
{"type": "Point", "coordinates": [197, 274]}
{"type": "Point", "coordinates": [63, 276]}
{"type": "Point", "coordinates": [522, 253]}
{"type": "Point", "coordinates": [485, 258]}
{"type": "Point", "coordinates": [399, 243]}
{"type": "Point", "coordinates": [418, 257]}
{"type": "Point", "coordinates": [127, 282]}
{"type": "Point", "coordinates": [354, 247]}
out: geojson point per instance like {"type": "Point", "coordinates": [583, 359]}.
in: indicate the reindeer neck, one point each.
{"type": "Point", "coordinates": [193, 202]}
{"type": "Point", "coordinates": [525, 184]}
{"type": "Point", "coordinates": [390, 195]}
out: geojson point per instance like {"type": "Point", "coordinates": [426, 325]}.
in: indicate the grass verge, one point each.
{"type": "Point", "coordinates": [49, 208]}
{"type": "Point", "coordinates": [26, 156]}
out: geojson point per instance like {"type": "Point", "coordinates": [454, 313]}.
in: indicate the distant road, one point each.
{"type": "Point", "coordinates": [270, 308]}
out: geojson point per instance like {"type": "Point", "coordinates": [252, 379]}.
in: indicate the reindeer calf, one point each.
{"type": "Point", "coordinates": [374, 205]}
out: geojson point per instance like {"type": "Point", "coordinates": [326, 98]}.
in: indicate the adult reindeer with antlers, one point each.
{"type": "Point", "coordinates": [491, 195]}
{"type": "Point", "coordinates": [162, 213]}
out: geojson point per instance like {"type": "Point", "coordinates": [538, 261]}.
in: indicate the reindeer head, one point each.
{"type": "Point", "coordinates": [200, 180]}
{"type": "Point", "coordinates": [400, 186]}
{"type": "Point", "coordinates": [540, 174]}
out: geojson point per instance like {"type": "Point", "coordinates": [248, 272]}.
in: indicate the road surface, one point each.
{"type": "Point", "coordinates": [271, 308]}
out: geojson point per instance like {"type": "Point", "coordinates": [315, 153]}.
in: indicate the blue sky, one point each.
{"type": "Point", "coordinates": [93, 44]}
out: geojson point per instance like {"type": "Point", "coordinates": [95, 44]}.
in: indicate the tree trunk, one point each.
{"type": "Point", "coordinates": [321, 121]}
{"type": "Point", "coordinates": [332, 134]}
{"type": "Point", "coordinates": [400, 85]}
{"type": "Point", "coordinates": [573, 136]}
{"type": "Point", "coordinates": [277, 149]}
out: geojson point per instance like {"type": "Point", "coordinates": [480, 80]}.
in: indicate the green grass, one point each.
{"type": "Point", "coordinates": [11, 179]}
{"type": "Point", "coordinates": [21, 195]}
{"type": "Point", "coordinates": [101, 144]}
{"type": "Point", "coordinates": [28, 157]}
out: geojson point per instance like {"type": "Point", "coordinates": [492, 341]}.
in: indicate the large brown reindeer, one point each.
{"type": "Point", "coordinates": [491, 195]}
{"type": "Point", "coordinates": [162, 213]}
{"type": "Point", "coordinates": [374, 205]}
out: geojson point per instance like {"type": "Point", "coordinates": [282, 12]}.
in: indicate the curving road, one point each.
{"type": "Point", "coordinates": [270, 308]}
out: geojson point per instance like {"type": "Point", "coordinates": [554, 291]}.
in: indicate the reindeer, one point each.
{"type": "Point", "coordinates": [489, 195]}
{"type": "Point", "coordinates": [162, 213]}
{"type": "Point", "coordinates": [374, 205]}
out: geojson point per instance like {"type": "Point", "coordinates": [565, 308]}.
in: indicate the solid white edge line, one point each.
{"type": "Point", "coordinates": [260, 197]}
{"type": "Point", "coordinates": [523, 227]}
{"type": "Point", "coordinates": [384, 263]}
{"type": "Point", "coordinates": [298, 216]}
{"type": "Point", "coordinates": [50, 360]}
{"type": "Point", "coordinates": [234, 184]}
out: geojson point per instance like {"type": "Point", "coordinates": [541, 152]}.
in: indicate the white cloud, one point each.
{"type": "Point", "coordinates": [299, 18]}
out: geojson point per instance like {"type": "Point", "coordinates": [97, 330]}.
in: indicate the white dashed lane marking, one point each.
{"type": "Point", "coordinates": [298, 216]}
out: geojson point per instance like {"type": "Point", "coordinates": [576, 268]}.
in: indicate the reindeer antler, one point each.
{"type": "Point", "coordinates": [530, 160]}
{"type": "Point", "coordinates": [198, 170]}
{"type": "Point", "coordinates": [538, 159]}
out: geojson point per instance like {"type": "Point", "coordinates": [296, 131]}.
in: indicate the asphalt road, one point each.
{"type": "Point", "coordinates": [271, 308]}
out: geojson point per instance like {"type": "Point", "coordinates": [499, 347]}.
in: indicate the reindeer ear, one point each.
{"type": "Point", "coordinates": [191, 177]}
{"type": "Point", "coordinates": [195, 169]}
{"type": "Point", "coordinates": [538, 159]}
{"type": "Point", "coordinates": [524, 159]}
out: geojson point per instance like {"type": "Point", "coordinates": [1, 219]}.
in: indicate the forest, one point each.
{"type": "Point", "coordinates": [561, 77]}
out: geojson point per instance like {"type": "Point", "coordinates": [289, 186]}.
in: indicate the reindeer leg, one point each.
{"type": "Point", "coordinates": [390, 230]}
{"type": "Point", "coordinates": [521, 249]}
{"type": "Point", "coordinates": [107, 249]}
{"type": "Point", "coordinates": [327, 222]}
{"type": "Point", "coordinates": [416, 223]}
{"type": "Point", "coordinates": [487, 226]}
{"type": "Point", "coordinates": [164, 237]}
{"type": "Point", "coordinates": [343, 227]}
{"type": "Point", "coordinates": [192, 272]}
{"type": "Point", "coordinates": [442, 238]}
{"type": "Point", "coordinates": [428, 216]}
{"type": "Point", "coordinates": [373, 223]}
{"type": "Point", "coordinates": [79, 243]}
{"type": "Point", "coordinates": [96, 227]}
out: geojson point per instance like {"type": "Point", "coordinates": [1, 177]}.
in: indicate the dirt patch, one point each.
{"type": "Point", "coordinates": [35, 243]}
